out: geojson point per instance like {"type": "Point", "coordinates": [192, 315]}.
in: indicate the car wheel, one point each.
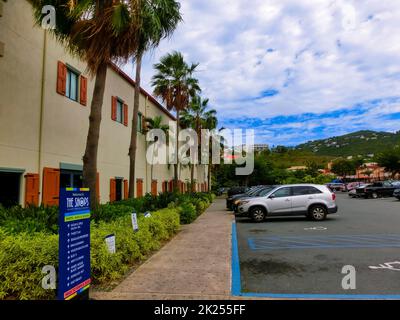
{"type": "Point", "coordinates": [375, 195]}
{"type": "Point", "coordinates": [257, 214]}
{"type": "Point", "coordinates": [318, 213]}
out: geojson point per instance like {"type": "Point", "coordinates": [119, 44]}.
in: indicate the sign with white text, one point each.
{"type": "Point", "coordinates": [135, 225]}
{"type": "Point", "coordinates": [110, 242]}
{"type": "Point", "coordinates": [74, 243]}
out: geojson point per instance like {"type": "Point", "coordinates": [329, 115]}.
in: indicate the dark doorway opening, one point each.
{"type": "Point", "coordinates": [10, 184]}
{"type": "Point", "coordinates": [118, 189]}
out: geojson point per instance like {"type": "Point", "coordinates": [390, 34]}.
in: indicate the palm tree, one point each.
{"type": "Point", "coordinates": [197, 117]}
{"type": "Point", "coordinates": [210, 123]}
{"type": "Point", "coordinates": [175, 85]}
{"type": "Point", "coordinates": [98, 32]}
{"type": "Point", "coordinates": [159, 18]}
{"type": "Point", "coordinates": [156, 123]}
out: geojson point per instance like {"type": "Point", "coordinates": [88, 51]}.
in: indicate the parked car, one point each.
{"type": "Point", "coordinates": [354, 194]}
{"type": "Point", "coordinates": [220, 191]}
{"type": "Point", "coordinates": [396, 193]}
{"type": "Point", "coordinates": [354, 185]}
{"type": "Point", "coordinates": [313, 201]}
{"type": "Point", "coordinates": [251, 192]}
{"type": "Point", "coordinates": [259, 192]}
{"type": "Point", "coordinates": [334, 186]}
{"type": "Point", "coordinates": [236, 190]}
{"type": "Point", "coordinates": [396, 183]}
{"type": "Point", "coordinates": [377, 190]}
{"type": "Point", "coordinates": [234, 193]}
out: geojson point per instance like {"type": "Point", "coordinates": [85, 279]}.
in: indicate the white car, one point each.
{"type": "Point", "coordinates": [311, 200]}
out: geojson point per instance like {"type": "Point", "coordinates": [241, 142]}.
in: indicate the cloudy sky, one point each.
{"type": "Point", "coordinates": [293, 70]}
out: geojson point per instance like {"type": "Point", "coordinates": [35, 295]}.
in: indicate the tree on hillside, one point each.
{"type": "Point", "coordinates": [175, 85]}
{"type": "Point", "coordinates": [159, 19]}
{"type": "Point", "coordinates": [390, 160]}
{"type": "Point", "coordinates": [312, 168]}
{"type": "Point", "coordinates": [98, 32]}
{"type": "Point", "coordinates": [344, 167]}
{"type": "Point", "coordinates": [280, 149]}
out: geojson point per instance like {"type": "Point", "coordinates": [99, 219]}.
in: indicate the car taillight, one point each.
{"type": "Point", "coordinates": [333, 196]}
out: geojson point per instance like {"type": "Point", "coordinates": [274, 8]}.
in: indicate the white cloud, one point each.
{"type": "Point", "coordinates": [321, 55]}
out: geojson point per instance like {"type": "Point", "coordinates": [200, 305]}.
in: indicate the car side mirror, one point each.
{"type": "Point", "coordinates": [272, 196]}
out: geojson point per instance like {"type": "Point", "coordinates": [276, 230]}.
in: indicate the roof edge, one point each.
{"type": "Point", "coordinates": [132, 82]}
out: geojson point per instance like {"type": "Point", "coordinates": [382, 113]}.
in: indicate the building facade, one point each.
{"type": "Point", "coordinates": [45, 97]}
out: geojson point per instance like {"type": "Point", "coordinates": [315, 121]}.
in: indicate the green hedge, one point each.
{"type": "Point", "coordinates": [32, 219]}
{"type": "Point", "coordinates": [29, 240]}
{"type": "Point", "coordinates": [23, 256]}
{"type": "Point", "coordinates": [45, 219]}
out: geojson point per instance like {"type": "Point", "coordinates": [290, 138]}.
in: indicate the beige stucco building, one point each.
{"type": "Point", "coordinates": [45, 98]}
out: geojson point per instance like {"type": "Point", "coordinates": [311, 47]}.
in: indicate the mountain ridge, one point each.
{"type": "Point", "coordinates": [362, 142]}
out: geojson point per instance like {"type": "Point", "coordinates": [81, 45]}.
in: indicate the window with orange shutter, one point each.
{"type": "Point", "coordinates": [61, 78]}
{"type": "Point", "coordinates": [83, 91]}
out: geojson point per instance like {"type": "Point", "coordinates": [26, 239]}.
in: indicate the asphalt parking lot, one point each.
{"type": "Point", "coordinates": [291, 255]}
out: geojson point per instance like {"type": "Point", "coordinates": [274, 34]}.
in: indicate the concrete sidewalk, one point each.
{"type": "Point", "coordinates": [196, 264]}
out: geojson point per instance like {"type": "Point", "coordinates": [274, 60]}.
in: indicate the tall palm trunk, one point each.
{"type": "Point", "coordinates": [209, 176]}
{"type": "Point", "coordinates": [92, 141]}
{"type": "Point", "coordinates": [177, 149]}
{"type": "Point", "coordinates": [133, 145]}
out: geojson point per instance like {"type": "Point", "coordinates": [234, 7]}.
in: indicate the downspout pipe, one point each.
{"type": "Point", "coordinates": [41, 111]}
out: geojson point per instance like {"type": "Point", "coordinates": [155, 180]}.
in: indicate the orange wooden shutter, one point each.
{"type": "Point", "coordinates": [114, 108]}
{"type": "Point", "coordinates": [51, 187]}
{"type": "Point", "coordinates": [83, 91]}
{"type": "Point", "coordinates": [139, 188]}
{"type": "Point", "coordinates": [125, 115]}
{"type": "Point", "coordinates": [32, 189]}
{"type": "Point", "coordinates": [61, 78]}
{"type": "Point", "coordinates": [154, 187]}
{"type": "Point", "coordinates": [98, 187]}
{"type": "Point", "coordinates": [126, 189]}
{"type": "Point", "coordinates": [164, 189]}
{"type": "Point", "coordinates": [113, 190]}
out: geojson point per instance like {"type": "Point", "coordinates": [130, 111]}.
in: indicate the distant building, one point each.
{"type": "Point", "coordinates": [297, 168]}
{"type": "Point", "coordinates": [371, 171]}
{"type": "Point", "coordinates": [256, 147]}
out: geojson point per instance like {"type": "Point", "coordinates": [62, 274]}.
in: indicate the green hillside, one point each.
{"type": "Point", "coordinates": [358, 143]}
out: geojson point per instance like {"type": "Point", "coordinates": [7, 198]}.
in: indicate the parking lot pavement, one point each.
{"type": "Point", "coordinates": [291, 255]}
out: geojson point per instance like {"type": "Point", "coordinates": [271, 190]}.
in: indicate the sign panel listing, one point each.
{"type": "Point", "coordinates": [74, 243]}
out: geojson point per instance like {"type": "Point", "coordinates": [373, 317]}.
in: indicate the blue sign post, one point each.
{"type": "Point", "coordinates": [74, 243]}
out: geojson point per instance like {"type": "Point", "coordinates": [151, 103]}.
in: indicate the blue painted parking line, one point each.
{"type": "Point", "coordinates": [235, 278]}
{"type": "Point", "coordinates": [328, 241]}
{"type": "Point", "coordinates": [236, 286]}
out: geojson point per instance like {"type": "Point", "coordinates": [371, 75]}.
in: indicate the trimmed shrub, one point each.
{"type": "Point", "coordinates": [111, 212]}
{"type": "Point", "coordinates": [23, 256]}
{"type": "Point", "coordinates": [31, 219]}
{"type": "Point", "coordinates": [187, 213]}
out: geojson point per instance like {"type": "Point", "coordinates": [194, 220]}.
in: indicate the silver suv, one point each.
{"type": "Point", "coordinates": [313, 201]}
